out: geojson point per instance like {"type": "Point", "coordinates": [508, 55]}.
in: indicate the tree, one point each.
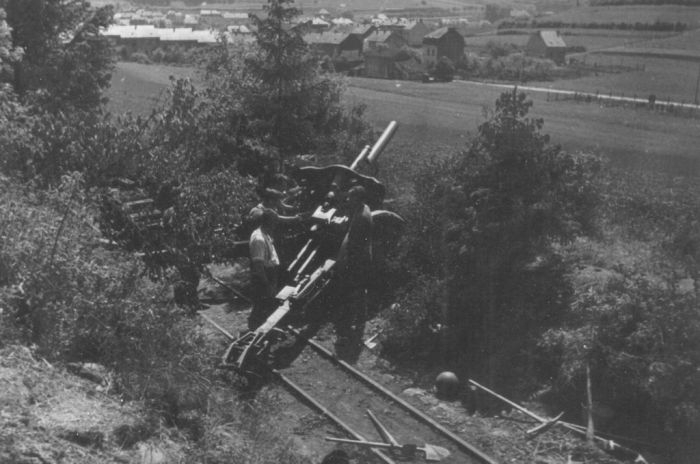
{"type": "Point", "coordinates": [517, 195]}
{"type": "Point", "coordinates": [14, 116]}
{"type": "Point", "coordinates": [444, 69]}
{"type": "Point", "coordinates": [292, 108]}
{"type": "Point", "coordinates": [66, 62]}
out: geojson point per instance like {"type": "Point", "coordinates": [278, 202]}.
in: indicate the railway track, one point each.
{"type": "Point", "coordinates": [343, 394]}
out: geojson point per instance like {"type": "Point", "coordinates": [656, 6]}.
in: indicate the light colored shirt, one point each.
{"type": "Point", "coordinates": [262, 248]}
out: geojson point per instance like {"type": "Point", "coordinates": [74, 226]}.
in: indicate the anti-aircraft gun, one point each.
{"type": "Point", "coordinates": [312, 272]}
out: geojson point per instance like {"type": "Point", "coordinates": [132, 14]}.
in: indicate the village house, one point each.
{"type": "Point", "coordinates": [389, 40]}
{"type": "Point", "coordinates": [385, 63]}
{"type": "Point", "coordinates": [547, 44]}
{"type": "Point", "coordinates": [147, 38]}
{"type": "Point", "coordinates": [236, 19]}
{"type": "Point", "coordinates": [335, 45]}
{"type": "Point", "coordinates": [363, 31]}
{"type": "Point", "coordinates": [414, 32]}
{"type": "Point", "coordinates": [446, 42]}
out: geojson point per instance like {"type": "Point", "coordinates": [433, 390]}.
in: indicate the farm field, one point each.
{"type": "Point", "coordinates": [445, 114]}
{"type": "Point", "coordinates": [591, 39]}
{"type": "Point", "coordinates": [688, 40]}
{"type": "Point", "coordinates": [666, 78]}
{"type": "Point", "coordinates": [635, 138]}
{"type": "Point", "coordinates": [630, 14]}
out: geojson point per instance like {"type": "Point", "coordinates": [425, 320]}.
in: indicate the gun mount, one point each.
{"type": "Point", "coordinates": [312, 273]}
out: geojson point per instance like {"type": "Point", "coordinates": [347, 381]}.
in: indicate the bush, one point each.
{"type": "Point", "coordinates": [414, 323]}
{"type": "Point", "coordinates": [140, 57]}
{"type": "Point", "coordinates": [76, 301]}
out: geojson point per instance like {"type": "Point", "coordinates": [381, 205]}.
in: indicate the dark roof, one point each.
{"type": "Point", "coordinates": [379, 36]}
{"type": "Point", "coordinates": [362, 29]}
{"type": "Point", "coordinates": [437, 33]}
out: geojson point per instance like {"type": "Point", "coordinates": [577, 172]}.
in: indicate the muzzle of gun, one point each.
{"type": "Point", "coordinates": [369, 154]}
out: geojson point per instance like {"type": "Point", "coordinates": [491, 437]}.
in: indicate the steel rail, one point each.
{"type": "Point", "coordinates": [322, 409]}
{"type": "Point", "coordinates": [420, 416]}
{"type": "Point", "coordinates": [307, 398]}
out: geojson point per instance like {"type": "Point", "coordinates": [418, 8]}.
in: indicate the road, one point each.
{"type": "Point", "coordinates": [594, 96]}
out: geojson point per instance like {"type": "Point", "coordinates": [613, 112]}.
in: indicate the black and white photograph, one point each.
{"type": "Point", "coordinates": [349, 231]}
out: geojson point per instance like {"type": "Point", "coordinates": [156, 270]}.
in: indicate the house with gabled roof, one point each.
{"type": "Point", "coordinates": [335, 45]}
{"type": "Point", "coordinates": [547, 44]}
{"type": "Point", "coordinates": [363, 30]}
{"type": "Point", "coordinates": [446, 42]}
{"type": "Point", "coordinates": [391, 40]}
{"type": "Point", "coordinates": [414, 32]}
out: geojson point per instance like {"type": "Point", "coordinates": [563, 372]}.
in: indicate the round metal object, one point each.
{"type": "Point", "coordinates": [447, 386]}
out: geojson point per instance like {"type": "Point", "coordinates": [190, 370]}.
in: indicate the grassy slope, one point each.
{"type": "Point", "coordinates": [137, 87]}
{"type": "Point", "coordinates": [446, 113]}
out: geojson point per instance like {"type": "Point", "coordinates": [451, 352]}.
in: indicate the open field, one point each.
{"type": "Point", "coordinates": [592, 39]}
{"type": "Point", "coordinates": [689, 40]}
{"type": "Point", "coordinates": [630, 14]}
{"type": "Point", "coordinates": [137, 87]}
{"type": "Point", "coordinates": [445, 114]}
{"type": "Point", "coordinates": [665, 78]}
{"type": "Point", "coordinates": [448, 112]}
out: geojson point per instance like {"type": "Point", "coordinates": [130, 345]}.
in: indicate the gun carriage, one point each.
{"type": "Point", "coordinates": [136, 222]}
{"type": "Point", "coordinates": [313, 273]}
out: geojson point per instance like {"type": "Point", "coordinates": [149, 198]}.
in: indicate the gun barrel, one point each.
{"type": "Point", "coordinates": [381, 144]}
{"type": "Point", "coordinates": [361, 157]}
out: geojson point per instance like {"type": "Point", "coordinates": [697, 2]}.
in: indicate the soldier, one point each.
{"type": "Point", "coordinates": [264, 265]}
{"type": "Point", "coordinates": [354, 267]}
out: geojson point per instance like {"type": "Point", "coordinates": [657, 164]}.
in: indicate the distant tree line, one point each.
{"type": "Point", "coordinates": [637, 26]}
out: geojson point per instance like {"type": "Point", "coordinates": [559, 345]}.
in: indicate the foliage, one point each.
{"type": "Point", "coordinates": [413, 323]}
{"type": "Point", "coordinates": [444, 69]}
{"type": "Point", "coordinates": [484, 226]}
{"type": "Point", "coordinates": [291, 107]}
{"type": "Point", "coordinates": [66, 62]}
{"type": "Point", "coordinates": [640, 336]}
{"type": "Point", "coordinates": [511, 67]}
{"type": "Point", "coordinates": [207, 211]}
{"type": "Point", "coordinates": [76, 301]}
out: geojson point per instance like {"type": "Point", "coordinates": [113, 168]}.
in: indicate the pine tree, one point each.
{"type": "Point", "coordinates": [519, 195]}
{"type": "Point", "coordinates": [291, 106]}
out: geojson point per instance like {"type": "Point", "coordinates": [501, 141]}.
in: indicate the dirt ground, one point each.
{"type": "Point", "coordinates": [51, 416]}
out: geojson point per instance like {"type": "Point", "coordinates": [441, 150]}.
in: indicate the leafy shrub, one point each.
{"type": "Point", "coordinates": [640, 336]}
{"type": "Point", "coordinates": [140, 57]}
{"type": "Point", "coordinates": [76, 301]}
{"type": "Point", "coordinates": [414, 323]}
{"type": "Point", "coordinates": [512, 67]}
